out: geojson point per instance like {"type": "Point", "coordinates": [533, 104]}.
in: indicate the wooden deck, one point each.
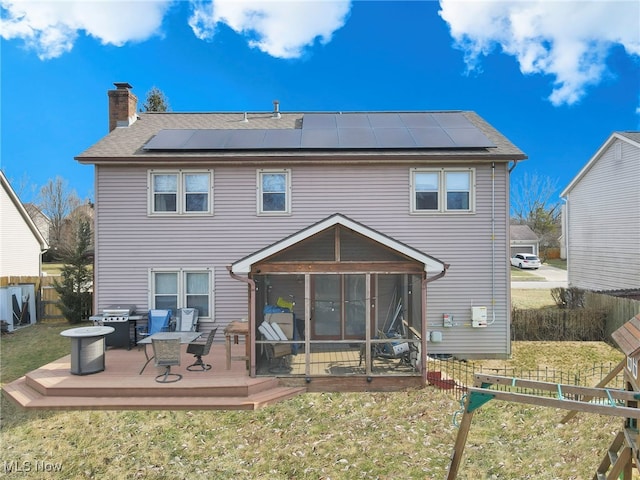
{"type": "Point", "coordinates": [121, 386]}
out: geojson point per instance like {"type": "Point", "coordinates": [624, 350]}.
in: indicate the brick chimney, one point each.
{"type": "Point", "coordinates": [122, 106]}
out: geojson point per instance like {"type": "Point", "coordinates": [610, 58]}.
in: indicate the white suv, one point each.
{"type": "Point", "coordinates": [525, 260]}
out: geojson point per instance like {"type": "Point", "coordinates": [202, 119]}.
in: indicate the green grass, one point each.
{"type": "Point", "coordinates": [404, 435]}
{"type": "Point", "coordinates": [556, 262]}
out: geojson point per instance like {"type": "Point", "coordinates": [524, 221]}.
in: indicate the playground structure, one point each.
{"type": "Point", "coordinates": [622, 455]}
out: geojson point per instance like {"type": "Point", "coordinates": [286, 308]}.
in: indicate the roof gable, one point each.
{"type": "Point", "coordinates": [522, 232]}
{"type": "Point", "coordinates": [431, 264]}
{"type": "Point", "coordinates": [22, 211]}
{"type": "Point", "coordinates": [632, 138]}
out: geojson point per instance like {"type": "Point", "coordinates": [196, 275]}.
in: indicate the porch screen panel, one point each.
{"type": "Point", "coordinates": [354, 306]}
{"type": "Point", "coordinates": [327, 306]}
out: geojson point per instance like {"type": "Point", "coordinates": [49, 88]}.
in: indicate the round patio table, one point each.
{"type": "Point", "coordinates": [87, 348]}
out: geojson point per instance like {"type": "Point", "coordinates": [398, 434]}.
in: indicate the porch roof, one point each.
{"type": "Point", "coordinates": [431, 265]}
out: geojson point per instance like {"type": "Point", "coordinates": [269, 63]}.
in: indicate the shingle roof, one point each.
{"type": "Point", "coordinates": [126, 143]}
{"type": "Point", "coordinates": [522, 232]}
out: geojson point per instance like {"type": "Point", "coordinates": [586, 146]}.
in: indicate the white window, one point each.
{"type": "Point", "coordinates": [274, 188]}
{"type": "Point", "coordinates": [181, 288]}
{"type": "Point", "coordinates": [180, 192]}
{"type": "Point", "coordinates": [442, 190]}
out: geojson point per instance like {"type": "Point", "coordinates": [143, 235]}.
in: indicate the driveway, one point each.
{"type": "Point", "coordinates": [553, 278]}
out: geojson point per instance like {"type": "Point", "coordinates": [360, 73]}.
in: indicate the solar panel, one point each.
{"type": "Point", "coordinates": [319, 120]}
{"type": "Point", "coordinates": [353, 120]}
{"type": "Point", "coordinates": [169, 139]}
{"type": "Point", "coordinates": [432, 137]}
{"type": "Point", "coordinates": [408, 130]}
{"type": "Point", "coordinates": [385, 120]}
{"type": "Point", "coordinates": [357, 138]}
{"type": "Point", "coordinates": [468, 137]}
{"type": "Point", "coordinates": [418, 120]}
{"type": "Point", "coordinates": [320, 138]}
{"type": "Point", "coordinates": [208, 140]}
{"type": "Point", "coordinates": [277, 138]}
{"type": "Point", "coordinates": [394, 138]}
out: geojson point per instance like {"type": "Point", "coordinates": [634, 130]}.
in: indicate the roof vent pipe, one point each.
{"type": "Point", "coordinates": [245, 118]}
{"type": "Point", "coordinates": [276, 109]}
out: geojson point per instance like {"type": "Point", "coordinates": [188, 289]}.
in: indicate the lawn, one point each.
{"type": "Point", "coordinates": [403, 435]}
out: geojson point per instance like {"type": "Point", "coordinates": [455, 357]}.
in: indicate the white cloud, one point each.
{"type": "Point", "coordinates": [51, 27]}
{"type": "Point", "coordinates": [569, 40]}
{"type": "Point", "coordinates": [277, 27]}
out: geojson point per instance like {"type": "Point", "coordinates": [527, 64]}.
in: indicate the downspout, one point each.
{"type": "Point", "coordinates": [252, 318]}
{"type": "Point", "coordinates": [493, 241]}
{"type": "Point", "coordinates": [423, 328]}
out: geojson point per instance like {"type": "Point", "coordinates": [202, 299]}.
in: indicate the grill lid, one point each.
{"type": "Point", "coordinates": [118, 310]}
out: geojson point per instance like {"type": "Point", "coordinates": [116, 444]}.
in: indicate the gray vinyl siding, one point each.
{"type": "Point", "coordinates": [130, 242]}
{"type": "Point", "coordinates": [603, 224]}
{"type": "Point", "coordinates": [19, 248]}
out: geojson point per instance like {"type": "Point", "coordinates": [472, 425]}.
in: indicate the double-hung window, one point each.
{"type": "Point", "coordinates": [442, 190]}
{"type": "Point", "coordinates": [180, 192]}
{"type": "Point", "coordinates": [274, 188]}
{"type": "Point", "coordinates": [182, 288]}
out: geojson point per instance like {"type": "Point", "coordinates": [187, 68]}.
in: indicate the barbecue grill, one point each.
{"type": "Point", "coordinates": [121, 318]}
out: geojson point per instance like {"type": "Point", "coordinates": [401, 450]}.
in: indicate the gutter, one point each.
{"type": "Point", "coordinates": [252, 317]}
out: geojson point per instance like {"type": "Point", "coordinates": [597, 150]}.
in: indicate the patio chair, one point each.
{"type": "Point", "coordinates": [278, 327]}
{"type": "Point", "coordinates": [200, 349]}
{"type": "Point", "coordinates": [187, 320]}
{"type": "Point", "coordinates": [166, 353]}
{"type": "Point", "coordinates": [157, 321]}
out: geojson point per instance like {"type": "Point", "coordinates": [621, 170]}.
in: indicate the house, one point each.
{"type": "Point", "coordinates": [21, 249]}
{"type": "Point", "coordinates": [21, 243]}
{"type": "Point", "coordinates": [601, 218]}
{"type": "Point", "coordinates": [523, 240]}
{"type": "Point", "coordinates": [384, 233]}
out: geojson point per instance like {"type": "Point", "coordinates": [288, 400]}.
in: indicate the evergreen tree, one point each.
{"type": "Point", "coordinates": [75, 287]}
{"type": "Point", "coordinates": [156, 101]}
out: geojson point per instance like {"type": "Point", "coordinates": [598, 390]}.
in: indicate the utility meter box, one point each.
{"type": "Point", "coordinates": [447, 320]}
{"type": "Point", "coordinates": [478, 317]}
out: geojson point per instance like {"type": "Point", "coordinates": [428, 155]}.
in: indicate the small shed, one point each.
{"type": "Point", "coordinates": [523, 240]}
{"type": "Point", "coordinates": [628, 339]}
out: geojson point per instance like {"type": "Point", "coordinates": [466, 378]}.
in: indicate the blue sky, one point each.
{"type": "Point", "coordinates": [556, 77]}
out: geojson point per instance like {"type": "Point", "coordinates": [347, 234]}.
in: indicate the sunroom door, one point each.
{"type": "Point", "coordinates": [339, 303]}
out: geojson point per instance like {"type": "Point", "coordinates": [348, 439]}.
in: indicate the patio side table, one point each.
{"type": "Point", "coordinates": [234, 329]}
{"type": "Point", "coordinates": [87, 348]}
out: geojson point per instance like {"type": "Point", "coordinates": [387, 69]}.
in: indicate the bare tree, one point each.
{"type": "Point", "coordinates": [534, 202]}
{"type": "Point", "coordinates": [57, 202]}
{"type": "Point", "coordinates": [156, 101]}
{"type": "Point", "coordinates": [532, 194]}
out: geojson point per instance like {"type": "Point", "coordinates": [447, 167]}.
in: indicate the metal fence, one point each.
{"type": "Point", "coordinates": [457, 376]}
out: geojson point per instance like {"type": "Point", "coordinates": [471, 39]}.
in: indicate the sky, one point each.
{"type": "Point", "coordinates": [557, 78]}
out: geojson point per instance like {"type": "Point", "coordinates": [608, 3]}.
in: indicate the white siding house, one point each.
{"type": "Point", "coordinates": [392, 211]}
{"type": "Point", "coordinates": [602, 218]}
{"type": "Point", "coordinates": [21, 243]}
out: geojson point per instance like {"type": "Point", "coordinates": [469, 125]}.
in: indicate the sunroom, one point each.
{"type": "Point", "coordinates": [339, 303]}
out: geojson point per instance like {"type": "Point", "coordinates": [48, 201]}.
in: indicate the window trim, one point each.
{"type": "Point", "coordinates": [442, 191]}
{"type": "Point", "coordinates": [181, 194]}
{"type": "Point", "coordinates": [259, 193]}
{"type": "Point", "coordinates": [181, 273]}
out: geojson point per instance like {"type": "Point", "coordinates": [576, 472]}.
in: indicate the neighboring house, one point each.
{"type": "Point", "coordinates": [21, 243]}
{"type": "Point", "coordinates": [364, 222]}
{"type": "Point", "coordinates": [601, 218]}
{"type": "Point", "coordinates": [523, 240]}
{"type": "Point", "coordinates": [41, 221]}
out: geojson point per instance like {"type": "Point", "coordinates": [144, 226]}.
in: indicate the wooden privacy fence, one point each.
{"type": "Point", "coordinates": [619, 310]}
{"type": "Point", "coordinates": [556, 325]}
{"type": "Point", "coordinates": [46, 296]}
